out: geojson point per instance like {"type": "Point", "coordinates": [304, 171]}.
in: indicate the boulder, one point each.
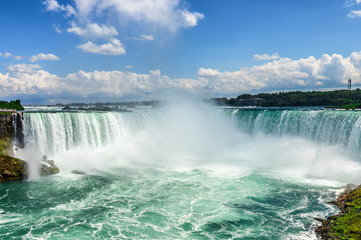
{"type": "Point", "coordinates": [12, 168]}
{"type": "Point", "coordinates": [48, 167]}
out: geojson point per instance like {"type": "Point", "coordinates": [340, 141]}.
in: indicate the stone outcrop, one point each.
{"type": "Point", "coordinates": [12, 168]}
{"type": "Point", "coordinates": [48, 167]}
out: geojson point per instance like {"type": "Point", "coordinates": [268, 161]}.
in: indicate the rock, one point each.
{"type": "Point", "coordinates": [51, 163]}
{"type": "Point", "coordinates": [78, 172]}
{"type": "Point", "coordinates": [12, 168]}
{"type": "Point", "coordinates": [48, 167]}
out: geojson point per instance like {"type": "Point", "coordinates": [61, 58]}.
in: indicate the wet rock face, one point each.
{"type": "Point", "coordinates": [5, 125]}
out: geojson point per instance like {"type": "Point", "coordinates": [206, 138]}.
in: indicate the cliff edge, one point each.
{"type": "Point", "coordinates": [346, 224]}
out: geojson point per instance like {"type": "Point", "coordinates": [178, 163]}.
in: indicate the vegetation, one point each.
{"type": "Point", "coordinates": [3, 147]}
{"type": "Point", "coordinates": [338, 98]}
{"type": "Point", "coordinates": [348, 224]}
{"type": "Point", "coordinates": [13, 104]}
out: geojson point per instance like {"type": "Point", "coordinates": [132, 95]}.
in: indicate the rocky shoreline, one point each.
{"type": "Point", "coordinates": [347, 223]}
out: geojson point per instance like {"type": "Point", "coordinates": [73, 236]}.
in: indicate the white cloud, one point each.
{"type": "Point", "coordinates": [128, 67]}
{"type": "Point", "coordinates": [146, 37]}
{"type": "Point", "coordinates": [349, 3]}
{"type": "Point", "coordinates": [44, 57]}
{"type": "Point", "coordinates": [190, 19]}
{"type": "Point", "coordinates": [6, 54]}
{"type": "Point", "coordinates": [57, 29]}
{"type": "Point", "coordinates": [161, 13]}
{"type": "Point", "coordinates": [285, 73]}
{"type": "Point", "coordinates": [266, 57]}
{"type": "Point", "coordinates": [93, 30]}
{"type": "Point", "coordinates": [53, 5]}
{"type": "Point", "coordinates": [113, 47]}
{"type": "Point", "coordinates": [19, 58]}
{"type": "Point", "coordinates": [354, 14]}
{"type": "Point", "coordinates": [28, 80]}
{"type": "Point", "coordinates": [23, 68]}
{"type": "Point", "coordinates": [328, 71]}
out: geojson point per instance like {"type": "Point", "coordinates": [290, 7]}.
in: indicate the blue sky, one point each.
{"type": "Point", "coordinates": [113, 50]}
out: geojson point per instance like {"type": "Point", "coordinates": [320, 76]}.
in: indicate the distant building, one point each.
{"type": "Point", "coordinates": [349, 84]}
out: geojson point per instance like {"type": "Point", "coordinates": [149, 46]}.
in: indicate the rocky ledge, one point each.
{"type": "Point", "coordinates": [346, 224]}
{"type": "Point", "coordinates": [12, 168]}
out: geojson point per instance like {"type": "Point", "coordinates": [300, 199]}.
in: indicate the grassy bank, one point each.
{"type": "Point", "coordinates": [347, 224]}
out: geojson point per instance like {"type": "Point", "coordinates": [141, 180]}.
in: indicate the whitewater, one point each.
{"type": "Point", "coordinates": [181, 172]}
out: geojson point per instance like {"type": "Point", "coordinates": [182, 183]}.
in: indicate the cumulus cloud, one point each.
{"type": "Point", "coordinates": [93, 30]}
{"type": "Point", "coordinates": [167, 14]}
{"type": "Point", "coordinates": [128, 67]}
{"type": "Point", "coordinates": [53, 5]}
{"type": "Point", "coordinates": [190, 19]}
{"type": "Point", "coordinates": [328, 71]}
{"type": "Point", "coordinates": [23, 68]}
{"type": "Point", "coordinates": [113, 47]}
{"type": "Point", "coordinates": [266, 57]}
{"type": "Point", "coordinates": [44, 57]}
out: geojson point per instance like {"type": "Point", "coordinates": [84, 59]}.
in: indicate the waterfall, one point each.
{"type": "Point", "coordinates": [54, 132]}
{"type": "Point", "coordinates": [324, 126]}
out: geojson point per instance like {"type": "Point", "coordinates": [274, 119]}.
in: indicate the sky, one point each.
{"type": "Point", "coordinates": [54, 51]}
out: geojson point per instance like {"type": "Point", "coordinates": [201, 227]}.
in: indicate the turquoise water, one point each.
{"type": "Point", "coordinates": [182, 173]}
{"type": "Point", "coordinates": [162, 205]}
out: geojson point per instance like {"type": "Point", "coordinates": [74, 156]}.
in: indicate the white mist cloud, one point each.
{"type": "Point", "coordinates": [113, 47]}
{"type": "Point", "coordinates": [266, 57]}
{"type": "Point", "coordinates": [128, 67]}
{"type": "Point", "coordinates": [328, 71]}
{"type": "Point", "coordinates": [44, 57]}
{"type": "Point", "coordinates": [93, 30]}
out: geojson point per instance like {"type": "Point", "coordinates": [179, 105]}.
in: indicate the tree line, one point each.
{"type": "Point", "coordinates": [337, 98]}
{"type": "Point", "coordinates": [13, 104]}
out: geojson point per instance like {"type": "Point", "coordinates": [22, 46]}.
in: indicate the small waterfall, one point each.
{"type": "Point", "coordinates": [17, 134]}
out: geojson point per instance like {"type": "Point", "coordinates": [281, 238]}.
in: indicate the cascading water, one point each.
{"type": "Point", "coordinates": [327, 126]}
{"type": "Point", "coordinates": [182, 172]}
